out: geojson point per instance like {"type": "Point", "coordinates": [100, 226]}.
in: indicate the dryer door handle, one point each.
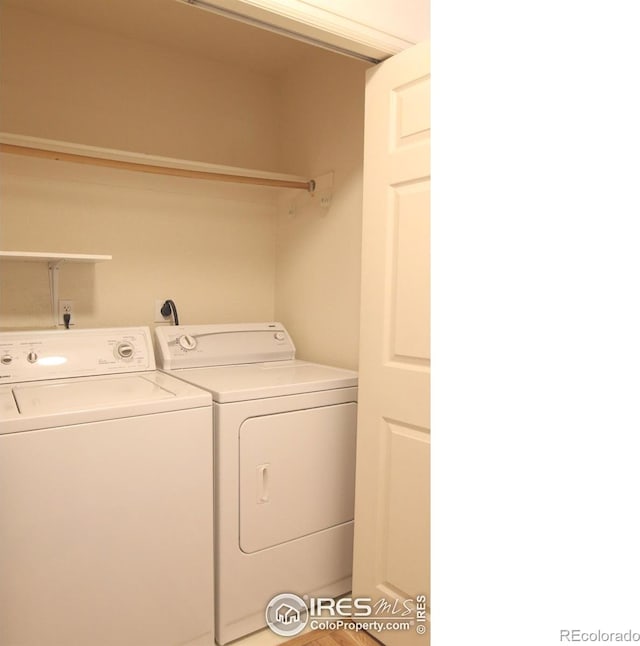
{"type": "Point", "coordinates": [262, 472]}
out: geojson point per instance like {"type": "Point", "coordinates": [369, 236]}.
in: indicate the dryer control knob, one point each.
{"type": "Point", "coordinates": [125, 350]}
{"type": "Point", "coordinates": [6, 359]}
{"type": "Point", "coordinates": [279, 336]}
{"type": "Point", "coordinates": [187, 342]}
{"type": "Point", "coordinates": [32, 357]}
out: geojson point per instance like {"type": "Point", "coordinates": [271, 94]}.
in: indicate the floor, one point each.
{"type": "Point", "coordinates": [334, 638]}
{"type": "Point", "coordinates": [310, 638]}
{"type": "Point", "coordinates": [265, 637]}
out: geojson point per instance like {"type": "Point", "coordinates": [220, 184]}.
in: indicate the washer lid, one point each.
{"type": "Point", "coordinates": [61, 402]}
{"type": "Point", "coordinates": [8, 407]}
{"type": "Point", "coordinates": [271, 379]}
{"type": "Point", "coordinates": [62, 396]}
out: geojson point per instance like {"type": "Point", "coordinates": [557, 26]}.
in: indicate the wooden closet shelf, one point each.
{"type": "Point", "coordinates": [108, 158]}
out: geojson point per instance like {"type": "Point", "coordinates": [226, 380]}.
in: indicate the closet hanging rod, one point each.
{"type": "Point", "coordinates": [155, 170]}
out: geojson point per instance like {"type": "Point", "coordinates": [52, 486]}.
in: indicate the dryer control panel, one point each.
{"type": "Point", "coordinates": [196, 346]}
{"type": "Point", "coordinates": [56, 354]}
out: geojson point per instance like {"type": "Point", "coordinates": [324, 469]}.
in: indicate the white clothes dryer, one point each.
{"type": "Point", "coordinates": [284, 466]}
{"type": "Point", "coordinates": [106, 494]}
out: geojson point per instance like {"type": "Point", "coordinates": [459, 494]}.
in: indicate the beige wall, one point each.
{"type": "Point", "coordinates": [209, 248]}
{"type": "Point", "coordinates": [318, 253]}
{"type": "Point", "coordinates": [72, 83]}
{"type": "Point", "coordinates": [222, 252]}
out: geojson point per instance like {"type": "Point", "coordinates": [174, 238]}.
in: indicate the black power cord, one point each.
{"type": "Point", "coordinates": [168, 308]}
{"type": "Point", "coordinates": [67, 320]}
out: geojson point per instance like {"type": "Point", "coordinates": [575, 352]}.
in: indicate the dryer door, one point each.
{"type": "Point", "coordinates": [297, 474]}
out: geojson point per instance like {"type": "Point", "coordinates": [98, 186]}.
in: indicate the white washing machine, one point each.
{"type": "Point", "coordinates": [284, 459]}
{"type": "Point", "coordinates": [105, 494]}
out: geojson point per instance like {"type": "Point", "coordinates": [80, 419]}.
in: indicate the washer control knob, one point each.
{"type": "Point", "coordinates": [6, 359]}
{"type": "Point", "coordinates": [32, 357]}
{"type": "Point", "coordinates": [187, 342]}
{"type": "Point", "coordinates": [125, 350]}
{"type": "Point", "coordinates": [279, 336]}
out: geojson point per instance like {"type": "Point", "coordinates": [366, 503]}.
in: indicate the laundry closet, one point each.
{"type": "Point", "coordinates": [147, 77]}
{"type": "Point", "coordinates": [184, 87]}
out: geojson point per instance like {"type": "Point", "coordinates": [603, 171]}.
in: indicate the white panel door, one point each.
{"type": "Point", "coordinates": [391, 557]}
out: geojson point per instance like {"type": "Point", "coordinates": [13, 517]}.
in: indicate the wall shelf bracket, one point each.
{"type": "Point", "coordinates": [54, 274]}
{"type": "Point", "coordinates": [53, 260]}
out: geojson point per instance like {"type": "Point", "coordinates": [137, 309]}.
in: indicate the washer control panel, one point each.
{"type": "Point", "coordinates": [55, 354]}
{"type": "Point", "coordinates": [194, 346]}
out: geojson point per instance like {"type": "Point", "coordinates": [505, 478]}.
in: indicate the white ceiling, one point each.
{"type": "Point", "coordinates": [173, 24]}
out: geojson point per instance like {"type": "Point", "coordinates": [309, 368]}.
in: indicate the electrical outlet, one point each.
{"type": "Point", "coordinates": [157, 316]}
{"type": "Point", "coordinates": [65, 307]}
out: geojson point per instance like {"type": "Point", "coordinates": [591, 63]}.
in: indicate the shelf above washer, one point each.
{"type": "Point", "coordinates": [41, 256]}
{"type": "Point", "coordinates": [53, 260]}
